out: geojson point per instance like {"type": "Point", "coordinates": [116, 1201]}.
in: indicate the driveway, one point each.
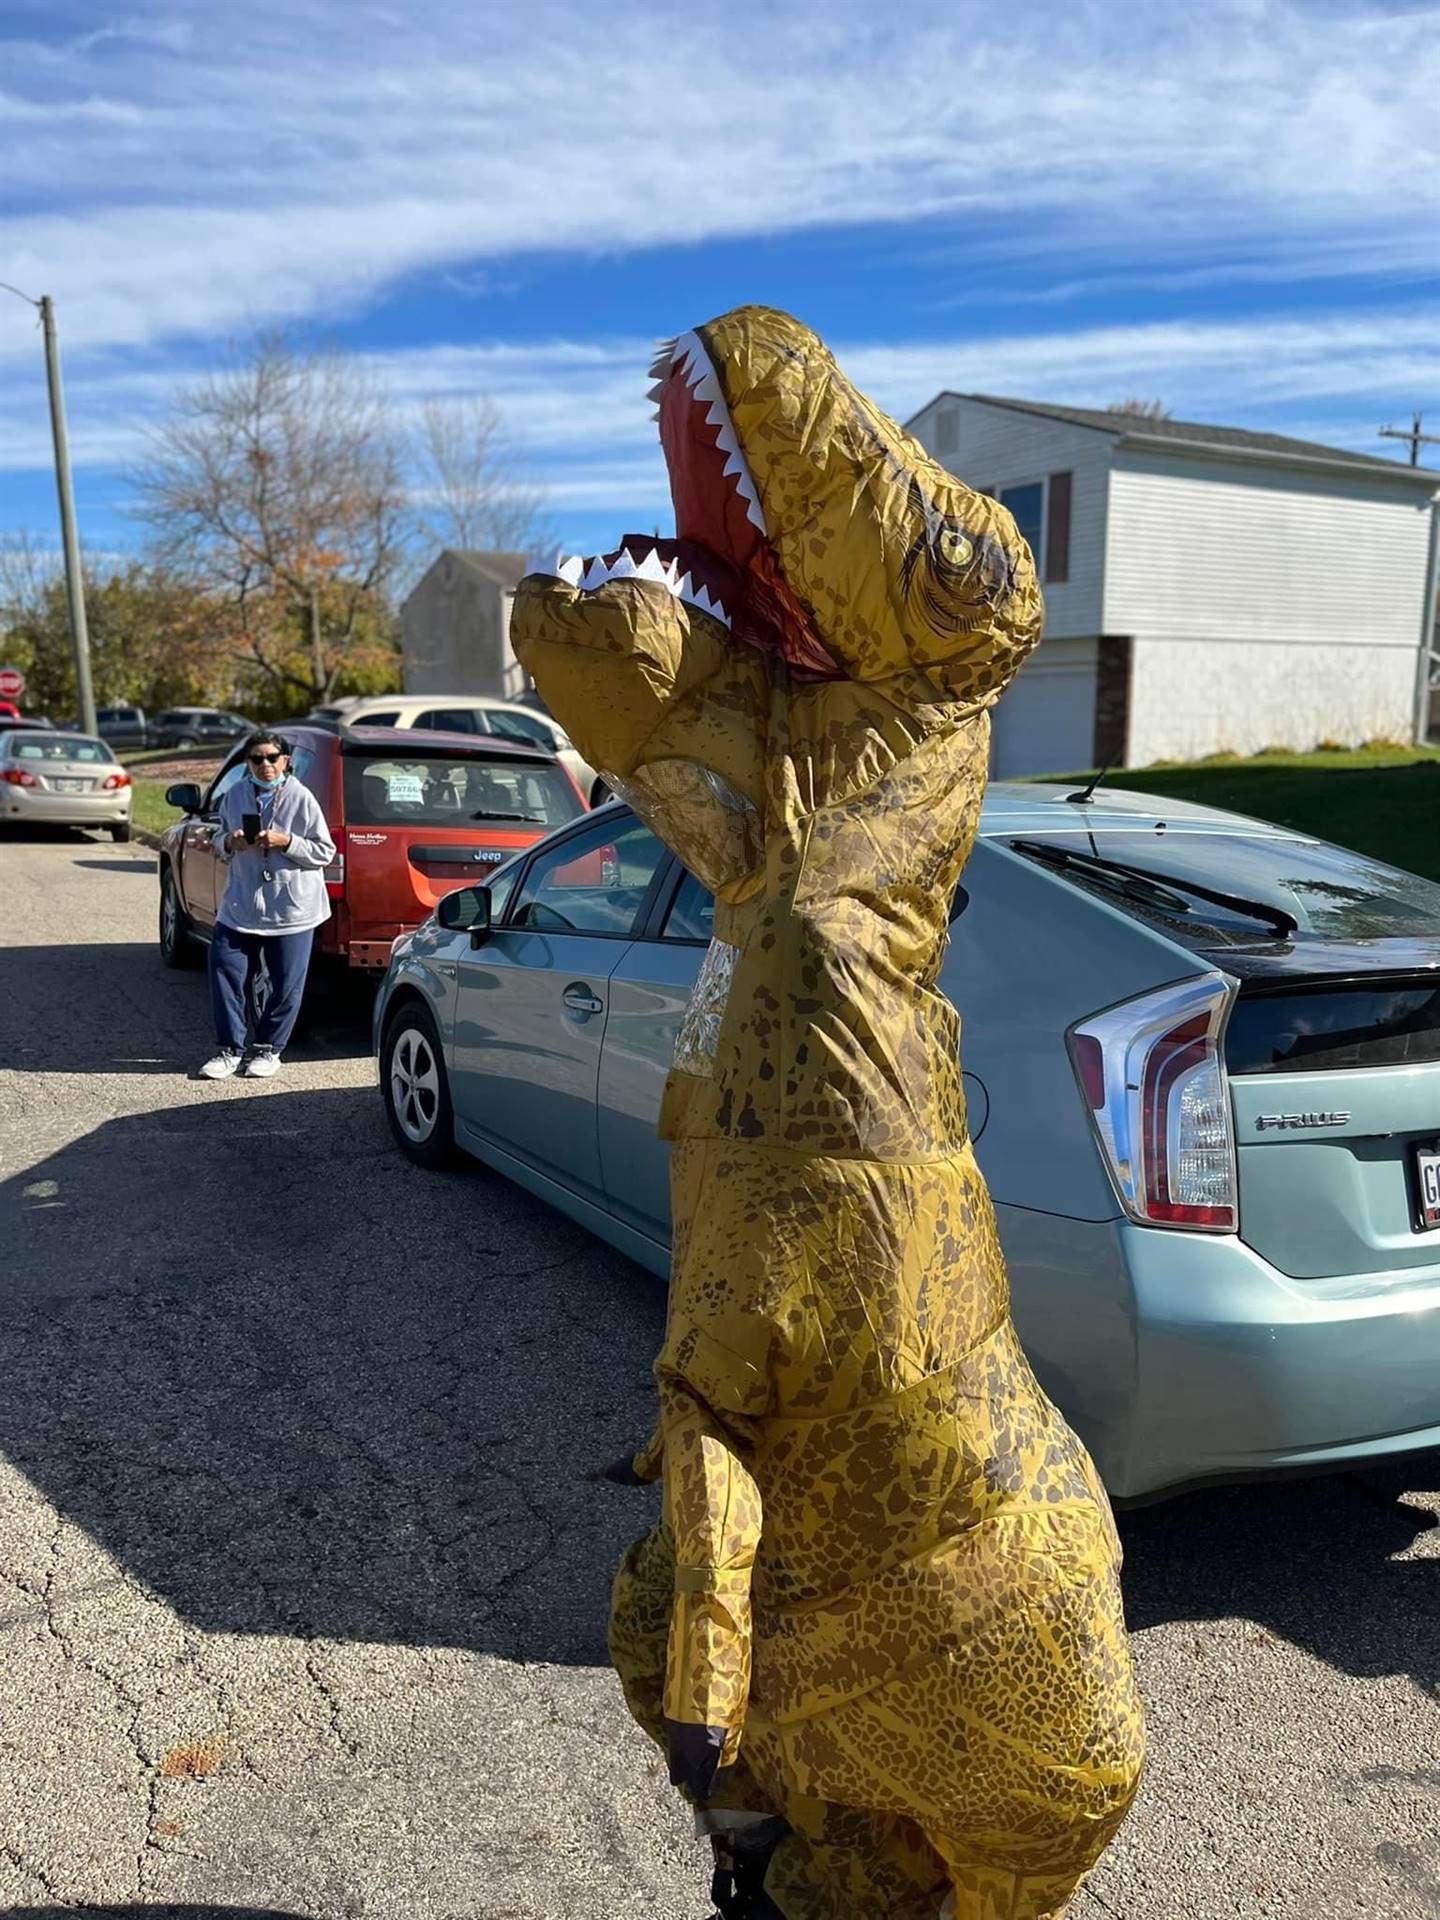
{"type": "Point", "coordinates": [302, 1586]}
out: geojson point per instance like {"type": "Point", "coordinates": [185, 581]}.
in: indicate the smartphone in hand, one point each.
{"type": "Point", "coordinates": [250, 827]}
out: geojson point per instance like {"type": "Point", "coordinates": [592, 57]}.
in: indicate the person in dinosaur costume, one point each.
{"type": "Point", "coordinates": [880, 1620]}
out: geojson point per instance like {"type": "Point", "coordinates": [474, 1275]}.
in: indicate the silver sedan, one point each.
{"type": "Point", "coordinates": [63, 780]}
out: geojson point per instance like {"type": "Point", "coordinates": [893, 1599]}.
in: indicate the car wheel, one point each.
{"type": "Point", "coordinates": [187, 740]}
{"type": "Point", "coordinates": [121, 833]}
{"type": "Point", "coordinates": [177, 943]}
{"type": "Point", "coordinates": [415, 1089]}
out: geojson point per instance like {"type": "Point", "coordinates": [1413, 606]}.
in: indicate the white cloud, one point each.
{"type": "Point", "coordinates": [579, 415]}
{"type": "Point", "coordinates": [177, 177]}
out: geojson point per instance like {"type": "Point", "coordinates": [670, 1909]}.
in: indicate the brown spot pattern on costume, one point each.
{"type": "Point", "coordinates": [887, 1567]}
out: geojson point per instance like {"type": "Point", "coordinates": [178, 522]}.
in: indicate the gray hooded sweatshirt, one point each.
{"type": "Point", "coordinates": [293, 898]}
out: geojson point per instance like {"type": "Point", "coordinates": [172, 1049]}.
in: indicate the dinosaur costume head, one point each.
{"type": "Point", "coordinates": [863, 1479]}
{"type": "Point", "coordinates": [816, 542]}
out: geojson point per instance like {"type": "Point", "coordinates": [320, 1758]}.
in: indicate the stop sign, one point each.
{"type": "Point", "coordinates": [12, 683]}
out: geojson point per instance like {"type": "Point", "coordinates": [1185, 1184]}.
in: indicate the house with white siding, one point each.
{"type": "Point", "coordinates": [1207, 589]}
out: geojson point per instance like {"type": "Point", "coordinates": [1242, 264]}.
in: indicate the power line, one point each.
{"type": "Point", "coordinates": [1415, 437]}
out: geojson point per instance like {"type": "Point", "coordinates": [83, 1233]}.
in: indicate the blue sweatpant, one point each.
{"type": "Point", "coordinates": [234, 966]}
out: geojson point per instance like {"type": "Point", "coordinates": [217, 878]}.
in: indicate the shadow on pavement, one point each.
{"type": "Point", "coordinates": [130, 864]}
{"type": "Point", "coordinates": [290, 1383]}
{"type": "Point", "coordinates": [1311, 1561]}
{"type": "Point", "coordinates": [102, 1006]}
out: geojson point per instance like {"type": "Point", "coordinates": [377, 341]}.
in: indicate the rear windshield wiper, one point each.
{"type": "Point", "coordinates": [1144, 882]}
{"type": "Point", "coordinates": [534, 819]}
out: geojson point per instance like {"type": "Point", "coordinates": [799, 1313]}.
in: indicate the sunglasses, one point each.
{"type": "Point", "coordinates": [265, 759]}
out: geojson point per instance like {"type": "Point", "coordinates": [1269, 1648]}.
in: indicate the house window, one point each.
{"type": "Point", "coordinates": [947, 430]}
{"type": "Point", "coordinates": [1027, 504]}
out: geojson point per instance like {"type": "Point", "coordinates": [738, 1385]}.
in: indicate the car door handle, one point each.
{"type": "Point", "coordinates": [582, 1000]}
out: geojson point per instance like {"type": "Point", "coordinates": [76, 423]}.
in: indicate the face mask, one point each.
{"type": "Point", "coordinates": [269, 786]}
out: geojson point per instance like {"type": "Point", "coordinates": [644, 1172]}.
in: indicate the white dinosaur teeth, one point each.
{"type": "Point", "coordinates": [575, 573]}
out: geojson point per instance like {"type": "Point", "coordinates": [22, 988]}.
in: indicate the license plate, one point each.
{"type": "Point", "coordinates": [71, 786]}
{"type": "Point", "coordinates": [1427, 1186]}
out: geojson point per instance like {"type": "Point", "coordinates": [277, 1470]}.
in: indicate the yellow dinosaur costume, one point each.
{"type": "Point", "coordinates": [883, 1600]}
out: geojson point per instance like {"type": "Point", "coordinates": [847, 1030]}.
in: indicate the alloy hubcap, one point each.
{"type": "Point", "coordinates": [167, 915]}
{"type": "Point", "coordinates": [415, 1085]}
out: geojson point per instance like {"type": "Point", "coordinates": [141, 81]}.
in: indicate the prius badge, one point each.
{"type": "Point", "coordinates": [1264, 1121]}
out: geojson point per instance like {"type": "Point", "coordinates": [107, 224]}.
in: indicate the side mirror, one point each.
{"type": "Point", "coordinates": [466, 911]}
{"type": "Point", "coordinates": [186, 797]}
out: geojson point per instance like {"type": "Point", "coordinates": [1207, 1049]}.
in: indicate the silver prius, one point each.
{"type": "Point", "coordinates": [1203, 1064]}
{"type": "Point", "coordinates": [63, 780]}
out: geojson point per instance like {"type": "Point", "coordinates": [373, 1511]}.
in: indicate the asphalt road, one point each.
{"type": "Point", "coordinates": [302, 1586]}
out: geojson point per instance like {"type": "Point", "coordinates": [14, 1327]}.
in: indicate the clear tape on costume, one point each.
{"type": "Point", "coordinates": [698, 1041]}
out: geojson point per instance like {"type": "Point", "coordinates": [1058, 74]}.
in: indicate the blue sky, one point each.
{"type": "Point", "coordinates": [1234, 207]}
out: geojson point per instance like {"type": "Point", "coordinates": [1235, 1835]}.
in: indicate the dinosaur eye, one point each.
{"type": "Point", "coordinates": [955, 547]}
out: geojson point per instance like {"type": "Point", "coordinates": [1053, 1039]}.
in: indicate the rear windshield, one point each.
{"type": "Point", "coordinates": [1331, 893]}
{"type": "Point", "coordinates": [57, 746]}
{"type": "Point", "coordinates": [451, 790]}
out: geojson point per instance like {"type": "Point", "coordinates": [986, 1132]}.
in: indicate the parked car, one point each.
{"type": "Point", "coordinates": [122, 726]}
{"type": "Point", "coordinates": [468, 713]}
{"type": "Point", "coordinates": [197, 727]}
{"type": "Point", "coordinates": [413, 816]}
{"type": "Point", "coordinates": [62, 780]}
{"type": "Point", "coordinates": [1203, 1064]}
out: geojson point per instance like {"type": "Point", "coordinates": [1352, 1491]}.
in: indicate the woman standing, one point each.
{"type": "Point", "coordinates": [275, 841]}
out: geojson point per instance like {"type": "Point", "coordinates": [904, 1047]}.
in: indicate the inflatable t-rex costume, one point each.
{"type": "Point", "coordinates": [883, 1600]}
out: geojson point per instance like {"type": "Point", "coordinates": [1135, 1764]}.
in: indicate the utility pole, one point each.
{"type": "Point", "coordinates": [1415, 437]}
{"type": "Point", "coordinates": [74, 581]}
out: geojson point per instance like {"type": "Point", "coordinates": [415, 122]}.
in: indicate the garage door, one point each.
{"type": "Point", "coordinates": [1046, 722]}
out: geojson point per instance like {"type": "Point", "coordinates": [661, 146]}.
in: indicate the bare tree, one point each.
{"type": "Point", "coordinates": [472, 492]}
{"type": "Point", "coordinates": [27, 572]}
{"type": "Point", "coordinates": [278, 485]}
{"type": "Point", "coordinates": [1141, 409]}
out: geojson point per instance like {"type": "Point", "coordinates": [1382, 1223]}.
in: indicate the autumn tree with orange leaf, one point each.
{"type": "Point", "coordinates": [278, 487]}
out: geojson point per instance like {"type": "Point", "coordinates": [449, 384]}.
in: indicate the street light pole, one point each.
{"type": "Point", "coordinates": [74, 580]}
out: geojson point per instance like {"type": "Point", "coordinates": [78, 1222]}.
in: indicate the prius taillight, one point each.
{"type": "Point", "coordinates": [1152, 1073]}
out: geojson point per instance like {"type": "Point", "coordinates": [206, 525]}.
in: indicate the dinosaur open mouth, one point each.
{"type": "Point", "coordinates": [722, 561]}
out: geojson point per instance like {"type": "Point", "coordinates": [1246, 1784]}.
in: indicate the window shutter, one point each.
{"type": "Point", "coordinates": [947, 430]}
{"type": "Point", "coordinates": [1057, 531]}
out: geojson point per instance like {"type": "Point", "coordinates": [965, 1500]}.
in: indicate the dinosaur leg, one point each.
{"type": "Point", "coordinates": [840, 1863]}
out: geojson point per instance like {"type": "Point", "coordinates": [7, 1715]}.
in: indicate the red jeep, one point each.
{"type": "Point", "coordinates": [414, 815]}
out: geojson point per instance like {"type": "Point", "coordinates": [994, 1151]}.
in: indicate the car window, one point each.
{"type": "Point", "coordinates": [437, 789]}
{"type": "Point", "coordinates": [228, 779]}
{"type": "Point", "coordinates": [692, 913]}
{"type": "Point", "coordinates": [60, 746]}
{"type": "Point", "coordinates": [594, 882]}
{"type": "Point", "coordinates": [1331, 893]}
{"type": "Point", "coordinates": [378, 719]}
{"type": "Point", "coordinates": [301, 761]}
{"type": "Point", "coordinates": [449, 720]}
{"type": "Point", "coordinates": [528, 727]}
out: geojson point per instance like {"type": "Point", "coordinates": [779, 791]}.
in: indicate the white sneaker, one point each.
{"type": "Point", "coordinates": [222, 1066]}
{"type": "Point", "coordinates": [260, 1064]}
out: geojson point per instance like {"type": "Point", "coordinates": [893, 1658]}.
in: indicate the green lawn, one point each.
{"type": "Point", "coordinates": [1382, 800]}
{"type": "Point", "coordinates": [149, 808]}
